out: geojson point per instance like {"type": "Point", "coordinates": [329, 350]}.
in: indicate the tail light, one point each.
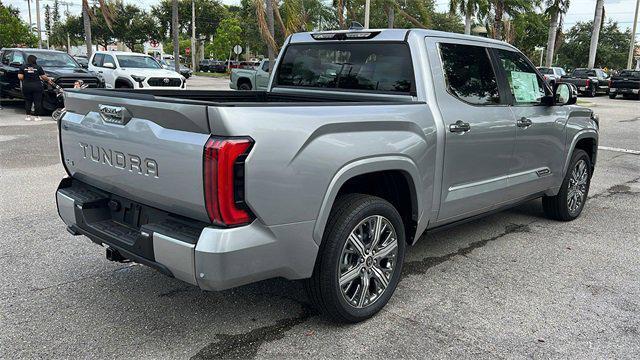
{"type": "Point", "coordinates": [588, 82]}
{"type": "Point", "coordinates": [224, 180]}
{"type": "Point", "coordinates": [610, 82]}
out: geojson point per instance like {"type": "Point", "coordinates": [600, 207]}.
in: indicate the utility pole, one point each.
{"type": "Point", "coordinates": [632, 45]}
{"type": "Point", "coordinates": [38, 24]}
{"type": "Point", "coordinates": [29, 8]}
{"type": "Point", "coordinates": [595, 34]}
{"type": "Point", "coordinates": [367, 10]}
{"type": "Point", "coordinates": [174, 30]}
{"type": "Point", "coordinates": [193, 35]}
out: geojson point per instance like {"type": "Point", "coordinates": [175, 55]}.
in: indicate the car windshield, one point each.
{"type": "Point", "coordinates": [546, 71]}
{"type": "Point", "coordinates": [358, 66]}
{"type": "Point", "coordinates": [630, 73]}
{"type": "Point", "coordinates": [53, 59]}
{"type": "Point", "coordinates": [135, 61]}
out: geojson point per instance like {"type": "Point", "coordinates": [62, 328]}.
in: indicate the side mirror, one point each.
{"type": "Point", "coordinates": [565, 94]}
{"type": "Point", "coordinates": [109, 65]}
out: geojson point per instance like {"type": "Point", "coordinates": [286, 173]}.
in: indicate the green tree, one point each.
{"type": "Point", "coordinates": [468, 8]}
{"type": "Point", "coordinates": [613, 46]}
{"type": "Point", "coordinates": [530, 30]}
{"type": "Point", "coordinates": [133, 26]}
{"type": "Point", "coordinates": [47, 19]}
{"type": "Point", "coordinates": [555, 8]}
{"type": "Point", "coordinates": [13, 32]}
{"type": "Point", "coordinates": [228, 34]}
{"type": "Point", "coordinates": [209, 13]}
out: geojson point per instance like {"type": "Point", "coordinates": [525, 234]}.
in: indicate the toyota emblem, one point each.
{"type": "Point", "coordinates": [166, 80]}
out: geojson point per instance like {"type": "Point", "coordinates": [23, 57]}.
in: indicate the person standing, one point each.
{"type": "Point", "coordinates": [32, 75]}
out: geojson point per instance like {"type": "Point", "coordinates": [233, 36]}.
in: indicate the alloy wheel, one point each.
{"type": "Point", "coordinates": [368, 261]}
{"type": "Point", "coordinates": [577, 189]}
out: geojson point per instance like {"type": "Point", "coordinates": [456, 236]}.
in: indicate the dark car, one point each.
{"type": "Point", "coordinates": [58, 66]}
{"type": "Point", "coordinates": [590, 82]}
{"type": "Point", "coordinates": [170, 65]}
{"type": "Point", "coordinates": [217, 66]}
{"type": "Point", "coordinates": [627, 84]}
{"type": "Point", "coordinates": [204, 64]}
{"type": "Point", "coordinates": [82, 61]}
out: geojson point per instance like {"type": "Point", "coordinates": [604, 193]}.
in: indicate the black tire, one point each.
{"type": "Point", "coordinates": [612, 96]}
{"type": "Point", "coordinates": [323, 287]}
{"type": "Point", "coordinates": [244, 86]}
{"type": "Point", "coordinates": [556, 207]}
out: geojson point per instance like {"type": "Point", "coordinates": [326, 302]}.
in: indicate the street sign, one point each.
{"type": "Point", "coordinates": [237, 49]}
{"type": "Point", "coordinates": [153, 43]}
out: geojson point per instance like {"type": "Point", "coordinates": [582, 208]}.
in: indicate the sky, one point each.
{"type": "Point", "coordinates": [580, 10]}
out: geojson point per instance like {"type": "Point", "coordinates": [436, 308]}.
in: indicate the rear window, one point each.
{"type": "Point", "coordinates": [630, 74]}
{"type": "Point", "coordinates": [584, 72]}
{"type": "Point", "coordinates": [377, 67]}
{"type": "Point", "coordinates": [546, 71]}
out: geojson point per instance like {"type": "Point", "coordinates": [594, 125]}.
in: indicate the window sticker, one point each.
{"type": "Point", "coordinates": [525, 87]}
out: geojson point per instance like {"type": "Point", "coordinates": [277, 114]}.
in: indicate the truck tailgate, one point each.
{"type": "Point", "coordinates": [147, 151]}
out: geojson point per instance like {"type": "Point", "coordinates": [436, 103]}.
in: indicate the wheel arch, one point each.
{"type": "Point", "coordinates": [244, 80]}
{"type": "Point", "coordinates": [120, 80]}
{"type": "Point", "coordinates": [389, 170]}
{"type": "Point", "coordinates": [586, 140]}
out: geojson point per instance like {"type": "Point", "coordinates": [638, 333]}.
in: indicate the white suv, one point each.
{"type": "Point", "coordinates": [134, 71]}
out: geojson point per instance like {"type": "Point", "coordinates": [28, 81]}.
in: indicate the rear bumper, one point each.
{"type": "Point", "coordinates": [209, 257]}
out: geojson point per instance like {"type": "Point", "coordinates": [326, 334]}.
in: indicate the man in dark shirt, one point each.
{"type": "Point", "coordinates": [32, 75]}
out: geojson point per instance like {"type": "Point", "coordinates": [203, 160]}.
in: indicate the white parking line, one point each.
{"type": "Point", "coordinates": [627, 151]}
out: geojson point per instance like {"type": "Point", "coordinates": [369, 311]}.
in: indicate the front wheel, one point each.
{"type": "Point", "coordinates": [360, 259]}
{"type": "Point", "coordinates": [612, 96]}
{"type": "Point", "coordinates": [569, 202]}
{"type": "Point", "coordinates": [244, 86]}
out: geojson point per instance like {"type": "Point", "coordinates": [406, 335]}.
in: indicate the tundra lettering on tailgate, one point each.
{"type": "Point", "coordinates": [119, 160]}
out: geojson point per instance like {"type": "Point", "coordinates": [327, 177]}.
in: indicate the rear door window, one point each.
{"type": "Point", "coordinates": [469, 74]}
{"type": "Point", "coordinates": [376, 67]}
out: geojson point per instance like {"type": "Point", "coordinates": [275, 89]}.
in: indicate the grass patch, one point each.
{"type": "Point", "coordinates": [213, 75]}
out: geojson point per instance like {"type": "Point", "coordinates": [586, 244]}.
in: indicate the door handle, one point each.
{"type": "Point", "coordinates": [459, 127]}
{"type": "Point", "coordinates": [524, 122]}
{"type": "Point", "coordinates": [100, 71]}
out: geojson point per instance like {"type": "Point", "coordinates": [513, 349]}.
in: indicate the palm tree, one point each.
{"type": "Point", "coordinates": [468, 8]}
{"type": "Point", "coordinates": [87, 14]}
{"type": "Point", "coordinates": [508, 7]}
{"type": "Point", "coordinates": [554, 8]}
{"type": "Point", "coordinates": [595, 33]}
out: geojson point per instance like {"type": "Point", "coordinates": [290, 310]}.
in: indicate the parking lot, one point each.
{"type": "Point", "coordinates": [511, 285]}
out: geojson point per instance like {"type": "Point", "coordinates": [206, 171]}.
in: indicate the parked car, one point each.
{"type": "Point", "coordinates": [590, 82]}
{"type": "Point", "coordinates": [626, 83]}
{"type": "Point", "coordinates": [83, 61]}
{"type": "Point", "coordinates": [59, 66]}
{"type": "Point", "coordinates": [184, 69]}
{"type": "Point", "coordinates": [364, 140]}
{"type": "Point", "coordinates": [122, 70]}
{"type": "Point", "coordinates": [250, 79]}
{"type": "Point", "coordinates": [203, 65]}
{"type": "Point", "coordinates": [552, 74]}
{"type": "Point", "coordinates": [218, 66]}
{"type": "Point", "coordinates": [252, 65]}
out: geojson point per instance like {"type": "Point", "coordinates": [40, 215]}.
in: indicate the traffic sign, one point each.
{"type": "Point", "coordinates": [237, 49]}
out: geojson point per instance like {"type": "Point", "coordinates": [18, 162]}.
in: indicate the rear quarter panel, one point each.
{"type": "Point", "coordinates": [300, 151]}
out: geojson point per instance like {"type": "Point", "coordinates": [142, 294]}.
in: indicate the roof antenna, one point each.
{"type": "Point", "coordinates": [356, 26]}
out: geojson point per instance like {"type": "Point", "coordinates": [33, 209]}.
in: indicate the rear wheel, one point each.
{"type": "Point", "coordinates": [569, 202]}
{"type": "Point", "coordinates": [244, 86]}
{"type": "Point", "coordinates": [360, 259]}
{"type": "Point", "coordinates": [592, 92]}
{"type": "Point", "coordinates": [612, 96]}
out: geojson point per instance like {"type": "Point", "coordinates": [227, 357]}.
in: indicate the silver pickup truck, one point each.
{"type": "Point", "coordinates": [250, 79]}
{"type": "Point", "coordinates": [363, 141]}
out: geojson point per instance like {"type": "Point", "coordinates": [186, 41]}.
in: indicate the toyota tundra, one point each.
{"type": "Point", "coordinates": [363, 140]}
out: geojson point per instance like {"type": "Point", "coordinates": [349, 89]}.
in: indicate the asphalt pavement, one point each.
{"type": "Point", "coordinates": [511, 285]}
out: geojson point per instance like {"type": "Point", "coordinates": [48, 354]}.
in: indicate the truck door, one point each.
{"type": "Point", "coordinates": [262, 76]}
{"type": "Point", "coordinates": [540, 138]}
{"type": "Point", "coordinates": [479, 128]}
